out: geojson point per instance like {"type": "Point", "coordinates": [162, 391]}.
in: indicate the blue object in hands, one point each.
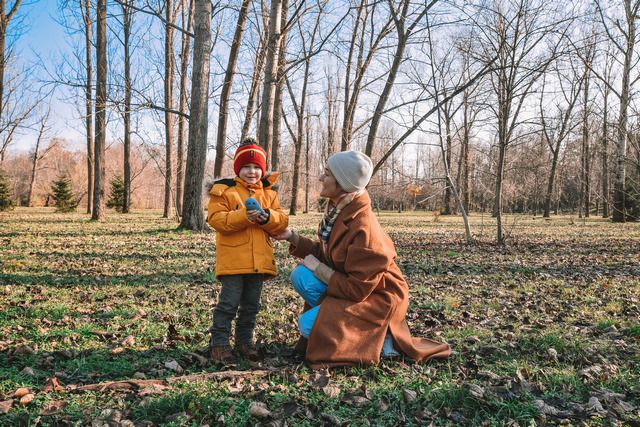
{"type": "Point", "coordinates": [252, 205]}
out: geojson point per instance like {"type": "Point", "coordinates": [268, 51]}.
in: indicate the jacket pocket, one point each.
{"type": "Point", "coordinates": [236, 238]}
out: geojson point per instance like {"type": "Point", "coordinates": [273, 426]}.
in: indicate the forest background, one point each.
{"type": "Point", "coordinates": [493, 106]}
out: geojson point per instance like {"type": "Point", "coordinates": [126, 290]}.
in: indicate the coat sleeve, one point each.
{"type": "Point", "coordinates": [365, 266]}
{"type": "Point", "coordinates": [306, 246]}
{"type": "Point", "coordinates": [278, 220]}
{"type": "Point", "coordinates": [222, 217]}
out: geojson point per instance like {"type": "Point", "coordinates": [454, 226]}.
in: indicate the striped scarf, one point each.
{"type": "Point", "coordinates": [331, 213]}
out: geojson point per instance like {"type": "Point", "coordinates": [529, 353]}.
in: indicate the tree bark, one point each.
{"type": "Point", "coordinates": [274, 155]}
{"type": "Point", "coordinates": [226, 88]}
{"type": "Point", "coordinates": [101, 104]}
{"type": "Point", "coordinates": [85, 7]}
{"type": "Point", "coordinates": [182, 121]}
{"type": "Point", "coordinates": [127, 17]}
{"type": "Point", "coordinates": [192, 216]}
{"type": "Point", "coordinates": [168, 105]}
{"type": "Point", "coordinates": [255, 86]}
{"type": "Point", "coordinates": [265, 131]}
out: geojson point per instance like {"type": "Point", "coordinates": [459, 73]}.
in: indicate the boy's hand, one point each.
{"type": "Point", "coordinates": [257, 216]}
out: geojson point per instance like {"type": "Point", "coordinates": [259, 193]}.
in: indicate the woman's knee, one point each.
{"type": "Point", "coordinates": [299, 276]}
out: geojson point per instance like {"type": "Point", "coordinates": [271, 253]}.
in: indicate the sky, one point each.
{"type": "Point", "coordinates": [44, 39]}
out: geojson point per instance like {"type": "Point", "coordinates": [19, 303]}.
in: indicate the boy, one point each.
{"type": "Point", "coordinates": [244, 251]}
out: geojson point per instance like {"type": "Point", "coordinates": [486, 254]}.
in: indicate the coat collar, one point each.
{"type": "Point", "coordinates": [348, 213]}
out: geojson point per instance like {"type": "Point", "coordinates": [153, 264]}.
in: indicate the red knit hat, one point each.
{"type": "Point", "coordinates": [250, 153]}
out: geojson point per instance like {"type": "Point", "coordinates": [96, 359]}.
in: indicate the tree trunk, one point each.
{"type": "Point", "coordinates": [192, 216]}
{"type": "Point", "coordinates": [605, 157]}
{"type": "Point", "coordinates": [85, 7]}
{"type": "Point", "coordinates": [550, 183]}
{"type": "Point", "coordinates": [586, 195]}
{"type": "Point", "coordinates": [274, 156]}
{"type": "Point", "coordinates": [168, 105]}
{"type": "Point", "coordinates": [101, 104]}
{"type": "Point", "coordinates": [226, 88]}
{"type": "Point", "coordinates": [265, 130]}
{"type": "Point", "coordinates": [34, 165]}
{"type": "Point", "coordinates": [127, 18]}
{"type": "Point", "coordinates": [182, 121]}
{"type": "Point", "coordinates": [255, 85]}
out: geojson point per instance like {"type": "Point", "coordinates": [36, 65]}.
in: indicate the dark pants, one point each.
{"type": "Point", "coordinates": [238, 291]}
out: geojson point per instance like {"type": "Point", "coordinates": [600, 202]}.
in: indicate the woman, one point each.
{"type": "Point", "coordinates": [355, 296]}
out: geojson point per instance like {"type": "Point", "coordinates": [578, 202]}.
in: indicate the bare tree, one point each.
{"type": "Point", "coordinates": [258, 67]}
{"type": "Point", "coordinates": [170, 16]}
{"type": "Point", "coordinates": [273, 155]}
{"type": "Point", "coordinates": [192, 215]}
{"type": "Point", "coordinates": [361, 50]}
{"type": "Point", "coordinates": [515, 30]}
{"type": "Point", "coordinates": [226, 88]}
{"type": "Point", "coordinates": [404, 29]}
{"type": "Point", "coordinates": [556, 129]}
{"type": "Point", "coordinates": [187, 21]}
{"type": "Point", "coordinates": [127, 18]}
{"type": "Point", "coordinates": [101, 105]}
{"type": "Point", "coordinates": [5, 17]}
{"type": "Point", "coordinates": [622, 32]}
{"type": "Point", "coordinates": [265, 130]}
{"type": "Point", "coordinates": [37, 154]}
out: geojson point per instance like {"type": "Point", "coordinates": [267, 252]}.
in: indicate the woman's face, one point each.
{"type": "Point", "coordinates": [330, 187]}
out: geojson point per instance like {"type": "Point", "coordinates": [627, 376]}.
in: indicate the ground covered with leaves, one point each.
{"type": "Point", "coordinates": [107, 324]}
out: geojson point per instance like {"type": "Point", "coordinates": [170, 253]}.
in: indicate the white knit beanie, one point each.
{"type": "Point", "coordinates": [352, 170]}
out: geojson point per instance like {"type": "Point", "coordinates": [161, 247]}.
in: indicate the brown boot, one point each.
{"type": "Point", "coordinates": [300, 348]}
{"type": "Point", "coordinates": [249, 352]}
{"type": "Point", "coordinates": [220, 354]}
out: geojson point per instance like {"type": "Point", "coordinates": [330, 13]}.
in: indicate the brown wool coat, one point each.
{"type": "Point", "coordinates": [366, 295]}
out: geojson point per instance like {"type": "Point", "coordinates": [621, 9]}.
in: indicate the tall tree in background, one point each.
{"type": "Point", "coordinates": [187, 18]}
{"type": "Point", "coordinates": [101, 113]}
{"type": "Point", "coordinates": [404, 28]}
{"type": "Point", "coordinates": [265, 130]}
{"type": "Point", "coordinates": [127, 18]}
{"type": "Point", "coordinates": [5, 19]}
{"type": "Point", "coordinates": [515, 30]}
{"type": "Point", "coordinates": [192, 215]}
{"type": "Point", "coordinates": [622, 33]}
{"type": "Point", "coordinates": [363, 54]}
{"type": "Point", "coordinates": [258, 66]}
{"type": "Point", "coordinates": [281, 72]}
{"type": "Point", "coordinates": [37, 154]}
{"type": "Point", "coordinates": [223, 111]}
{"type": "Point", "coordinates": [170, 15]}
{"type": "Point", "coordinates": [85, 8]}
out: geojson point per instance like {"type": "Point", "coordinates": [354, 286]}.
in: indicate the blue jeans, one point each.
{"type": "Point", "coordinates": [312, 289]}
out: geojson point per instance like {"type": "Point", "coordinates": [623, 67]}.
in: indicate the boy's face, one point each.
{"type": "Point", "coordinates": [250, 173]}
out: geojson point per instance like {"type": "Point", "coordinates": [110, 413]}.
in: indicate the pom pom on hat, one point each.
{"type": "Point", "coordinates": [352, 170]}
{"type": "Point", "coordinates": [250, 152]}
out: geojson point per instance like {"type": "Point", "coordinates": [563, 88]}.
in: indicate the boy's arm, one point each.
{"type": "Point", "coordinates": [222, 217]}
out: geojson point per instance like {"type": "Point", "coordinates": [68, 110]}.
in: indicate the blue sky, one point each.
{"type": "Point", "coordinates": [45, 38]}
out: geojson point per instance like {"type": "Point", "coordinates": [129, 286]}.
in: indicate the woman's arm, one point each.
{"type": "Point", "coordinates": [365, 266]}
{"type": "Point", "coordinates": [300, 246]}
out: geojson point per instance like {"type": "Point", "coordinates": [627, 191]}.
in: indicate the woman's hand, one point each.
{"type": "Point", "coordinates": [311, 262]}
{"type": "Point", "coordinates": [285, 235]}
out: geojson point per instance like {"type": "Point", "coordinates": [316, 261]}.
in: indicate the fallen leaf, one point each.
{"type": "Point", "coordinates": [53, 385]}
{"type": "Point", "coordinates": [53, 407]}
{"type": "Point", "coordinates": [22, 391]}
{"type": "Point", "coordinates": [382, 405]}
{"type": "Point", "coordinates": [476, 391]}
{"type": "Point", "coordinates": [5, 406]}
{"type": "Point", "coordinates": [117, 350]}
{"type": "Point", "coordinates": [356, 400]}
{"type": "Point", "coordinates": [27, 398]}
{"type": "Point", "coordinates": [153, 389]}
{"type": "Point", "coordinates": [409, 395]}
{"type": "Point", "coordinates": [28, 371]}
{"type": "Point", "coordinates": [319, 378]}
{"type": "Point", "coordinates": [174, 366]}
{"type": "Point", "coordinates": [331, 390]}
{"type": "Point", "coordinates": [129, 341]}
{"type": "Point", "coordinates": [258, 409]}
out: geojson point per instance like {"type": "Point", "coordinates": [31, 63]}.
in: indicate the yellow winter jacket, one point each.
{"type": "Point", "coordinates": [244, 247]}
